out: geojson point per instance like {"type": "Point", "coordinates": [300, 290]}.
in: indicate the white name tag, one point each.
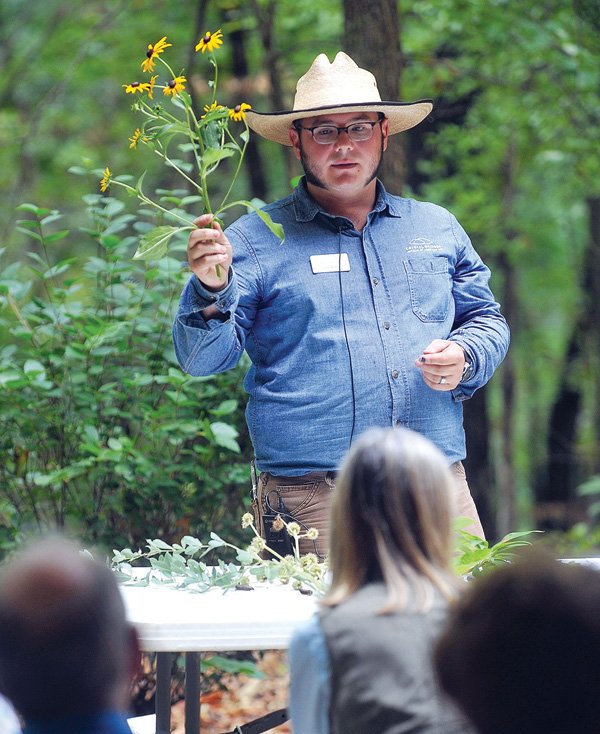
{"type": "Point", "coordinates": [330, 263]}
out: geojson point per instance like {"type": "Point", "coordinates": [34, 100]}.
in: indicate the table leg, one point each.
{"type": "Point", "coordinates": [192, 693]}
{"type": "Point", "coordinates": [163, 692]}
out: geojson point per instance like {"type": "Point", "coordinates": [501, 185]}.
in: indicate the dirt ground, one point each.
{"type": "Point", "coordinates": [243, 699]}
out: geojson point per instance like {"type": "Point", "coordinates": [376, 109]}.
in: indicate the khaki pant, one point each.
{"type": "Point", "coordinates": [308, 499]}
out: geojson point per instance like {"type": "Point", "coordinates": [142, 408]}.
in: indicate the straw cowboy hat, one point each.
{"type": "Point", "coordinates": [333, 88]}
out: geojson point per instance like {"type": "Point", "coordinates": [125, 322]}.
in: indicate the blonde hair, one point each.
{"type": "Point", "coordinates": [391, 519]}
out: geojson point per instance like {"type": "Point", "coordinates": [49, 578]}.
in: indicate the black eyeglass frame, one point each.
{"type": "Point", "coordinates": [346, 129]}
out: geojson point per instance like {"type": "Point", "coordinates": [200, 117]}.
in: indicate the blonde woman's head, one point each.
{"type": "Point", "coordinates": [391, 518]}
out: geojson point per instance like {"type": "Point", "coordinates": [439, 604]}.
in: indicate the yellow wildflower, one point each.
{"type": "Point", "coordinates": [136, 137]}
{"type": "Point", "coordinates": [136, 87]}
{"type": "Point", "coordinates": [247, 519]}
{"type": "Point", "coordinates": [104, 183]}
{"type": "Point", "coordinates": [153, 52]}
{"type": "Point", "coordinates": [212, 108]}
{"type": "Point", "coordinates": [174, 86]}
{"type": "Point", "coordinates": [210, 41]}
{"type": "Point", "coordinates": [238, 113]}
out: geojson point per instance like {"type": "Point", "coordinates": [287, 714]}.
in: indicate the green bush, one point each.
{"type": "Point", "coordinates": [101, 433]}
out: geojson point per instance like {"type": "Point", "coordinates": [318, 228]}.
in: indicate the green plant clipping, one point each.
{"type": "Point", "coordinates": [181, 565]}
{"type": "Point", "coordinates": [190, 141]}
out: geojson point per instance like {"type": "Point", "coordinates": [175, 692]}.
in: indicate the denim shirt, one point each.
{"type": "Point", "coordinates": [333, 353]}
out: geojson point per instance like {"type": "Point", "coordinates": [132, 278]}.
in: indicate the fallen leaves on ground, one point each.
{"type": "Point", "coordinates": [243, 699]}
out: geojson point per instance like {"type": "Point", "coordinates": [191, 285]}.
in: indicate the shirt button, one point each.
{"type": "Point", "coordinates": [386, 324]}
{"type": "Point", "coordinates": [375, 281]}
{"type": "Point", "coordinates": [398, 423]}
{"type": "Point", "coordinates": [395, 374]}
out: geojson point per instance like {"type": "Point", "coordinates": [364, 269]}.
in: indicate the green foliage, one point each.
{"type": "Point", "coordinates": [473, 555]}
{"type": "Point", "coordinates": [181, 565]}
{"type": "Point", "coordinates": [101, 433]}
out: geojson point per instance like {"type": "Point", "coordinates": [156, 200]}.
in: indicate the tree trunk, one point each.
{"type": "Point", "coordinates": [384, 59]}
{"type": "Point", "coordinates": [556, 505]}
{"type": "Point", "coordinates": [253, 161]}
{"type": "Point", "coordinates": [266, 20]}
{"type": "Point", "coordinates": [505, 470]}
{"type": "Point", "coordinates": [505, 474]}
{"type": "Point", "coordinates": [477, 463]}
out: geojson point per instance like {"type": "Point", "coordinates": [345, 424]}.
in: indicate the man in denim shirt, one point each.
{"type": "Point", "coordinates": [374, 311]}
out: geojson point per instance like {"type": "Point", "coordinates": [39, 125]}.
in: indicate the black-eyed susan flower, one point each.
{"type": "Point", "coordinates": [212, 108]}
{"type": "Point", "coordinates": [136, 87]}
{"type": "Point", "coordinates": [136, 137]}
{"type": "Point", "coordinates": [238, 113]}
{"type": "Point", "coordinates": [104, 183]}
{"type": "Point", "coordinates": [210, 41]}
{"type": "Point", "coordinates": [153, 52]}
{"type": "Point", "coordinates": [174, 86]}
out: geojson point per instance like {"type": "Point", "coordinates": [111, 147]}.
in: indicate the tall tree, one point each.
{"type": "Point", "coordinates": [384, 59]}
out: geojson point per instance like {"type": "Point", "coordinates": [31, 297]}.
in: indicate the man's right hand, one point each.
{"type": "Point", "coordinates": [207, 248]}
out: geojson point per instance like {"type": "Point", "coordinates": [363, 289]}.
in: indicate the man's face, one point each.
{"type": "Point", "coordinates": [344, 166]}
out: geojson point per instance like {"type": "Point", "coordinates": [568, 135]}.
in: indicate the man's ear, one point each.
{"type": "Point", "coordinates": [385, 127]}
{"type": "Point", "coordinates": [295, 141]}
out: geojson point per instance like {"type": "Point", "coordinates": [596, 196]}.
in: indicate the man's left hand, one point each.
{"type": "Point", "coordinates": [442, 364]}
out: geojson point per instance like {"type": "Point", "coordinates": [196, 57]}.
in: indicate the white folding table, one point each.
{"type": "Point", "coordinates": [173, 620]}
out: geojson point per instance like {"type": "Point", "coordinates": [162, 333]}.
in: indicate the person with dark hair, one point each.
{"type": "Point", "coordinates": [374, 311]}
{"type": "Point", "coordinates": [363, 664]}
{"type": "Point", "coordinates": [521, 652]}
{"type": "Point", "coordinates": [67, 653]}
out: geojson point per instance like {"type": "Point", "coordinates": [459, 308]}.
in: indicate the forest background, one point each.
{"type": "Point", "coordinates": [100, 431]}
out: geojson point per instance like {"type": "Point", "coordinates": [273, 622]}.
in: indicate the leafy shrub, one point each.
{"type": "Point", "coordinates": [101, 433]}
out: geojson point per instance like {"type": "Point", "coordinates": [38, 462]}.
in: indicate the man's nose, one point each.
{"type": "Point", "coordinates": [343, 140]}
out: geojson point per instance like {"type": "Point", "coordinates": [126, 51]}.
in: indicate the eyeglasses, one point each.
{"type": "Point", "coordinates": [359, 132]}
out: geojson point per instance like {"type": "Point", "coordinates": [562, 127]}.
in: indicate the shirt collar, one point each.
{"type": "Point", "coordinates": [306, 208]}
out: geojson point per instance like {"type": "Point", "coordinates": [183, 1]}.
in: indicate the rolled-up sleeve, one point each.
{"type": "Point", "coordinates": [310, 688]}
{"type": "Point", "coordinates": [479, 326]}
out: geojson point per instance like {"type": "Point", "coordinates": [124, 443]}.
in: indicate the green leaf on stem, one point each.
{"type": "Point", "coordinates": [155, 244]}
{"type": "Point", "coordinates": [275, 227]}
{"type": "Point", "coordinates": [214, 155]}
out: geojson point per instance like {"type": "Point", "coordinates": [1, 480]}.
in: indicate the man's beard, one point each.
{"type": "Point", "coordinates": [313, 179]}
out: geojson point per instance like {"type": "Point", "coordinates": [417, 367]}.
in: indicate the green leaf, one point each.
{"type": "Point", "coordinates": [56, 236]}
{"type": "Point", "coordinates": [30, 233]}
{"type": "Point", "coordinates": [275, 227]}
{"type": "Point", "coordinates": [155, 244]}
{"type": "Point", "coordinates": [225, 436]}
{"type": "Point", "coordinates": [36, 210]}
{"type": "Point", "coordinates": [214, 155]}
{"type": "Point", "coordinates": [33, 366]}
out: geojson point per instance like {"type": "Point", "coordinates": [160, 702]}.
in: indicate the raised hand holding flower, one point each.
{"type": "Point", "coordinates": [206, 136]}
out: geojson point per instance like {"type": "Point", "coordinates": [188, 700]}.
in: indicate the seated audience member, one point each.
{"type": "Point", "coordinates": [521, 653]}
{"type": "Point", "coordinates": [66, 650]}
{"type": "Point", "coordinates": [363, 664]}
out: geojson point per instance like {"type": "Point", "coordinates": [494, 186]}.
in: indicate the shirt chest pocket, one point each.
{"type": "Point", "coordinates": [429, 287]}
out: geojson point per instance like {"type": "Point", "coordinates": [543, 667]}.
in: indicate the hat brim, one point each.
{"type": "Point", "coordinates": [401, 116]}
